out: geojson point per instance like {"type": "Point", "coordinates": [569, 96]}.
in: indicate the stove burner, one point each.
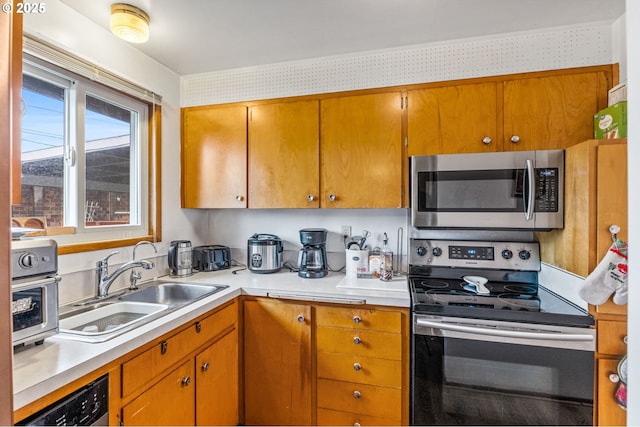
{"type": "Point", "coordinates": [434, 284]}
{"type": "Point", "coordinates": [521, 289]}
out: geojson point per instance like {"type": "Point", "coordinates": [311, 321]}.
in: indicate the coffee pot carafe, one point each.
{"type": "Point", "coordinates": [312, 260]}
{"type": "Point", "coordinates": [180, 263]}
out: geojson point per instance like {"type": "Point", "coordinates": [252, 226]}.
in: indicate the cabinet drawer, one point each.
{"type": "Point", "coordinates": [359, 318]}
{"type": "Point", "coordinates": [360, 369]}
{"type": "Point", "coordinates": [329, 417]}
{"type": "Point", "coordinates": [144, 367]}
{"type": "Point", "coordinates": [360, 399]}
{"type": "Point", "coordinates": [609, 413]}
{"type": "Point", "coordinates": [611, 336]}
{"type": "Point", "coordinates": [383, 345]}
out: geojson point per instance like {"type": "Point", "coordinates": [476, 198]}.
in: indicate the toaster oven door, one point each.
{"type": "Point", "coordinates": [34, 309]}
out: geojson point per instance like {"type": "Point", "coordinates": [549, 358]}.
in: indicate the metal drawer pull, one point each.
{"type": "Point", "coordinates": [515, 139]}
{"type": "Point", "coordinates": [357, 340]}
{"type": "Point", "coordinates": [300, 318]}
{"type": "Point", "coordinates": [186, 381]}
{"type": "Point", "coordinates": [198, 327]}
{"type": "Point", "coordinates": [163, 347]}
{"type": "Point", "coordinates": [205, 367]}
{"type": "Point", "coordinates": [357, 394]}
{"type": "Point", "coordinates": [311, 197]}
{"type": "Point", "coordinates": [357, 319]}
{"type": "Point", "coordinates": [486, 140]}
{"type": "Point", "coordinates": [357, 366]}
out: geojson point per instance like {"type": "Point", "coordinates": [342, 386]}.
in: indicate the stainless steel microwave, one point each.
{"type": "Point", "coordinates": [519, 190]}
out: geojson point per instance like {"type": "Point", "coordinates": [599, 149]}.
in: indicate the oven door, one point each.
{"type": "Point", "coordinates": [475, 372]}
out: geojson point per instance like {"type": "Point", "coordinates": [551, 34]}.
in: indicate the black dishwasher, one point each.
{"type": "Point", "coordinates": [88, 406]}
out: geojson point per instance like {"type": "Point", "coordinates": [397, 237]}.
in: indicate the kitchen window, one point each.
{"type": "Point", "coordinates": [87, 155]}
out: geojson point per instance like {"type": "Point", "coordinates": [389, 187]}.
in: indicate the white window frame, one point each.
{"type": "Point", "coordinates": [121, 93]}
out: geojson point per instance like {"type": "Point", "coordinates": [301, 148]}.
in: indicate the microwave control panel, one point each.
{"type": "Point", "coordinates": [547, 182]}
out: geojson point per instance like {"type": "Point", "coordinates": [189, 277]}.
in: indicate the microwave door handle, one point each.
{"type": "Point", "coordinates": [529, 195]}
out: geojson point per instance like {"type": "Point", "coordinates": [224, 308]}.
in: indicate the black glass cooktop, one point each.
{"type": "Point", "coordinates": [509, 301]}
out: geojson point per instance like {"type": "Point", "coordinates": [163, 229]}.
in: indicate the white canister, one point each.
{"type": "Point", "coordinates": [357, 262]}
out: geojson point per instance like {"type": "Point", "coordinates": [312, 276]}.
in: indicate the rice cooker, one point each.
{"type": "Point", "coordinates": [264, 253]}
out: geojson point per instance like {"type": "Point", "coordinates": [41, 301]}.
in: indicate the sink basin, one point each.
{"type": "Point", "coordinates": [173, 293]}
{"type": "Point", "coordinates": [108, 318]}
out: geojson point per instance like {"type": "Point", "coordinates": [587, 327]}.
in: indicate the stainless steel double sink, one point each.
{"type": "Point", "coordinates": [99, 320]}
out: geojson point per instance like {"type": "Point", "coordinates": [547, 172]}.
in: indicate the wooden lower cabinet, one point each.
{"type": "Point", "coordinates": [609, 413]}
{"type": "Point", "coordinates": [189, 377]}
{"type": "Point", "coordinates": [277, 363]}
{"type": "Point", "coordinates": [171, 401]}
{"type": "Point", "coordinates": [317, 364]}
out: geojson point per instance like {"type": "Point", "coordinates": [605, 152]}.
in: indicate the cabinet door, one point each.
{"type": "Point", "coordinates": [283, 155]}
{"type": "Point", "coordinates": [217, 383]}
{"type": "Point", "coordinates": [454, 119]}
{"type": "Point", "coordinates": [361, 151]}
{"type": "Point", "coordinates": [277, 363]}
{"type": "Point", "coordinates": [15, 94]}
{"type": "Point", "coordinates": [609, 413]}
{"type": "Point", "coordinates": [214, 157]}
{"type": "Point", "coordinates": [552, 112]}
{"type": "Point", "coordinates": [170, 402]}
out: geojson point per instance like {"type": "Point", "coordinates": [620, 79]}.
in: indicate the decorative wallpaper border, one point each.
{"type": "Point", "coordinates": [564, 47]}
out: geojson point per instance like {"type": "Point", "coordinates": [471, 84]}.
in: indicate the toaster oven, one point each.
{"type": "Point", "coordinates": [34, 290]}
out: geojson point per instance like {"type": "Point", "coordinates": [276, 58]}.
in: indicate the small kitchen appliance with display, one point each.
{"type": "Point", "coordinates": [518, 190]}
{"type": "Point", "coordinates": [211, 258]}
{"type": "Point", "coordinates": [180, 258]}
{"type": "Point", "coordinates": [489, 344]}
{"type": "Point", "coordinates": [312, 260]}
{"type": "Point", "coordinates": [34, 290]}
{"type": "Point", "coordinates": [264, 253]}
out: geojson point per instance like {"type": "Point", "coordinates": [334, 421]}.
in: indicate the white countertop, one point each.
{"type": "Point", "coordinates": [40, 370]}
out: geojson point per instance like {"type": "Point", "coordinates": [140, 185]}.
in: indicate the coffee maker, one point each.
{"type": "Point", "coordinates": [312, 261]}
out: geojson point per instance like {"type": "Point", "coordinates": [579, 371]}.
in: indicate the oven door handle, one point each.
{"type": "Point", "coordinates": [505, 333]}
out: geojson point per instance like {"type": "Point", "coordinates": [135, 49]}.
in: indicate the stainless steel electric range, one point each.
{"type": "Point", "coordinates": [490, 345]}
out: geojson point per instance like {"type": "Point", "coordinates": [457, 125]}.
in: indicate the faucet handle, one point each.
{"type": "Point", "coordinates": [104, 262]}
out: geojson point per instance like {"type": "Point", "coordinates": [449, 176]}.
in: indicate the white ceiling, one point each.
{"type": "Point", "coordinates": [196, 36]}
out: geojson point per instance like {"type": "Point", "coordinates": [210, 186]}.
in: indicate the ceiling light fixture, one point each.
{"type": "Point", "coordinates": [129, 23]}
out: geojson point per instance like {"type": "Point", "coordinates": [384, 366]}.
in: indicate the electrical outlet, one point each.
{"type": "Point", "coordinates": [346, 231]}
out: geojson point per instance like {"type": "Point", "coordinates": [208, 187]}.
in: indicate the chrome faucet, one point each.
{"type": "Point", "coordinates": [136, 275]}
{"type": "Point", "coordinates": [105, 280]}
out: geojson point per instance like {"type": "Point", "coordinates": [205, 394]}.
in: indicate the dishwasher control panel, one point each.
{"type": "Point", "coordinates": [84, 407]}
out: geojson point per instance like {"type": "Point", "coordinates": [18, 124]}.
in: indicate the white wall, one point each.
{"type": "Point", "coordinates": [633, 79]}
{"type": "Point", "coordinates": [65, 28]}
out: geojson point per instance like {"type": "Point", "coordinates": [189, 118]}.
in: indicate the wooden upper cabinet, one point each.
{"type": "Point", "coordinates": [214, 157]}
{"type": "Point", "coordinates": [552, 112]}
{"type": "Point", "coordinates": [361, 151]}
{"type": "Point", "coordinates": [284, 155]}
{"type": "Point", "coordinates": [454, 119]}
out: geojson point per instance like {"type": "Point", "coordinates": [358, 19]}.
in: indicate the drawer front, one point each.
{"type": "Point", "coordinates": [611, 336]}
{"type": "Point", "coordinates": [383, 345]}
{"type": "Point", "coordinates": [371, 400]}
{"type": "Point", "coordinates": [144, 367]}
{"type": "Point", "coordinates": [359, 318]}
{"type": "Point", "coordinates": [360, 369]}
{"type": "Point", "coordinates": [329, 417]}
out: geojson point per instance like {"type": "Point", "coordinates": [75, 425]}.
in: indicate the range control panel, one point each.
{"type": "Point", "coordinates": [475, 254]}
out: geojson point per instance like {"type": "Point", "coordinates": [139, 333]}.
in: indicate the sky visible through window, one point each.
{"type": "Point", "coordinates": [43, 123]}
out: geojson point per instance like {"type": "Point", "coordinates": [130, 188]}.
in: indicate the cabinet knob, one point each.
{"type": "Point", "coordinates": [357, 394]}
{"type": "Point", "coordinates": [486, 140]}
{"type": "Point", "coordinates": [205, 367]}
{"type": "Point", "coordinates": [357, 319]}
{"type": "Point", "coordinates": [332, 197]}
{"type": "Point", "coordinates": [515, 139]}
{"type": "Point", "coordinates": [357, 340]}
{"type": "Point", "coordinates": [357, 366]}
{"type": "Point", "coordinates": [300, 318]}
{"type": "Point", "coordinates": [186, 381]}
{"type": "Point", "coordinates": [614, 378]}
{"type": "Point", "coordinates": [356, 424]}
{"type": "Point", "coordinates": [239, 198]}
{"type": "Point", "coordinates": [311, 197]}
